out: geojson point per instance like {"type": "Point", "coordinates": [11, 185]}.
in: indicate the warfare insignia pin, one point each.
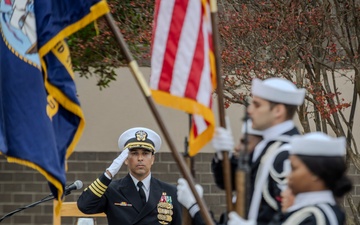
{"type": "Point", "coordinates": [164, 209]}
{"type": "Point", "coordinates": [141, 135]}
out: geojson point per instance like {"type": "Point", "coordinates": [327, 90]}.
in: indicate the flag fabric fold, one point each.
{"type": "Point", "coordinates": [41, 119]}
{"type": "Point", "coordinates": [183, 64]}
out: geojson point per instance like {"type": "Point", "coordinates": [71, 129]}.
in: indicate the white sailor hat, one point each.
{"type": "Point", "coordinates": [247, 128]}
{"type": "Point", "coordinates": [317, 144]}
{"type": "Point", "coordinates": [140, 137]}
{"type": "Point", "coordinates": [278, 90]}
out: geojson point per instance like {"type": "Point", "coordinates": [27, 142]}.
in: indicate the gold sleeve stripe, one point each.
{"type": "Point", "coordinates": [98, 190]}
{"type": "Point", "coordinates": [98, 187]}
{"type": "Point", "coordinates": [95, 193]}
{"type": "Point", "coordinates": [99, 184]}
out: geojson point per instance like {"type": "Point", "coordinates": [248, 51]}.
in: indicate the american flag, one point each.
{"type": "Point", "coordinates": [183, 64]}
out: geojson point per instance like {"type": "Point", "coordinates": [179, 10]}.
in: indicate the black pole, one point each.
{"type": "Point", "coordinates": [48, 198]}
{"type": "Point", "coordinates": [45, 199]}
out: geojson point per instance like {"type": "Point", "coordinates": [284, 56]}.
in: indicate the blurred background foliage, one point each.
{"type": "Point", "coordinates": [94, 50]}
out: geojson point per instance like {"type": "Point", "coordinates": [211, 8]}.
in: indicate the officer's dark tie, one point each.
{"type": "Point", "coordinates": [141, 192]}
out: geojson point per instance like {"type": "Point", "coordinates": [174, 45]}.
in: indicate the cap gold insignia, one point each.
{"type": "Point", "coordinates": [164, 209]}
{"type": "Point", "coordinates": [141, 135]}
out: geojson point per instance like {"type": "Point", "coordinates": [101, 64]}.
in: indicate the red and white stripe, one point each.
{"type": "Point", "coordinates": [182, 64]}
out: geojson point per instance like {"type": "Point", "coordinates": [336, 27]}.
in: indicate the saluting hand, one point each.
{"type": "Point", "coordinates": [116, 164]}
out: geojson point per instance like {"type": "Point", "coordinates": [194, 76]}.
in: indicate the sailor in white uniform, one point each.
{"type": "Point", "coordinates": [318, 178]}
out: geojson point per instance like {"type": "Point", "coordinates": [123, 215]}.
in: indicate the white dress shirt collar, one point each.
{"type": "Point", "coordinates": [146, 182]}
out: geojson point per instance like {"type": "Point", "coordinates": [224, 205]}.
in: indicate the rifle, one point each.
{"type": "Point", "coordinates": [242, 175]}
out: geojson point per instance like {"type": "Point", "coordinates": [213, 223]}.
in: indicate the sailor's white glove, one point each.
{"type": "Point", "coordinates": [186, 197]}
{"type": "Point", "coordinates": [116, 164]}
{"type": "Point", "coordinates": [235, 219]}
{"type": "Point", "coordinates": [223, 140]}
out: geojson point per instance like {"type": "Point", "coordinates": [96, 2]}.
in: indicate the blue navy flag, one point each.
{"type": "Point", "coordinates": [41, 120]}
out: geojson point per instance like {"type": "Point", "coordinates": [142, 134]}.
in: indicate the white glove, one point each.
{"type": "Point", "coordinates": [223, 140]}
{"type": "Point", "coordinates": [235, 219]}
{"type": "Point", "coordinates": [117, 163]}
{"type": "Point", "coordinates": [185, 195]}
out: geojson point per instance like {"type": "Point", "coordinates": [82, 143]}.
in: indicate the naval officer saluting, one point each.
{"type": "Point", "coordinates": [138, 198]}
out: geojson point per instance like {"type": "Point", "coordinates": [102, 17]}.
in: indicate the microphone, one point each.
{"type": "Point", "coordinates": [74, 186]}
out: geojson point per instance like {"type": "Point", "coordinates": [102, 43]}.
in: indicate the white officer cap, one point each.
{"type": "Point", "coordinates": [278, 90]}
{"type": "Point", "coordinates": [317, 144]}
{"type": "Point", "coordinates": [247, 127]}
{"type": "Point", "coordinates": [140, 137]}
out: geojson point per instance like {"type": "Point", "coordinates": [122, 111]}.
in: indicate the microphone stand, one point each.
{"type": "Point", "coordinates": [47, 198]}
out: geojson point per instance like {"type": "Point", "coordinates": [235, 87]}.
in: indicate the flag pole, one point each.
{"type": "Point", "coordinates": [147, 94]}
{"type": "Point", "coordinates": [219, 91]}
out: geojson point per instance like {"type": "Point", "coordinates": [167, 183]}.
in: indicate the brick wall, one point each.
{"type": "Point", "coordinates": [21, 186]}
